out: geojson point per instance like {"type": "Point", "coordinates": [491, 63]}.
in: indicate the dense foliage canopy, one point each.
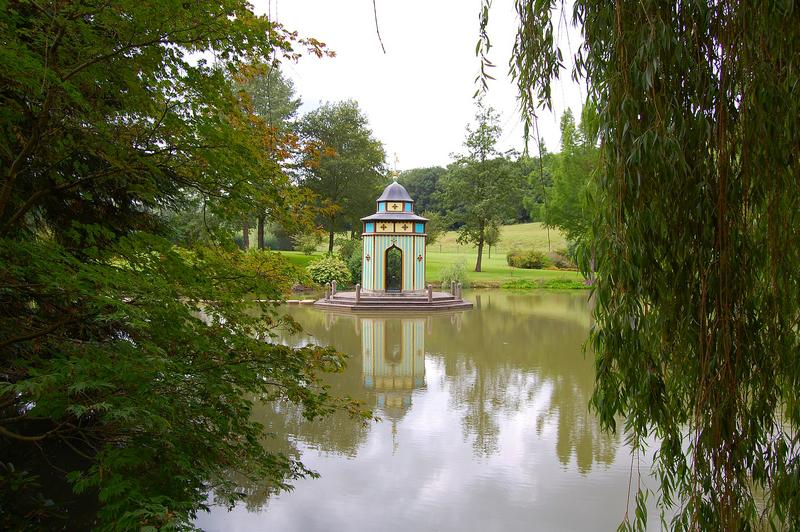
{"type": "Point", "coordinates": [567, 198]}
{"type": "Point", "coordinates": [695, 230]}
{"type": "Point", "coordinates": [347, 169]}
{"type": "Point", "coordinates": [130, 364]}
{"type": "Point", "coordinates": [424, 185]}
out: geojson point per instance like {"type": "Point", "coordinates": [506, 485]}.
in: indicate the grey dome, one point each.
{"type": "Point", "coordinates": [395, 192]}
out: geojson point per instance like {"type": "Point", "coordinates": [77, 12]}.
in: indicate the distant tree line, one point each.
{"type": "Point", "coordinates": [337, 167]}
{"type": "Point", "coordinates": [483, 189]}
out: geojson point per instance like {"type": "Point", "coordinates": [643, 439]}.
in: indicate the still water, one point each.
{"type": "Point", "coordinates": [484, 426]}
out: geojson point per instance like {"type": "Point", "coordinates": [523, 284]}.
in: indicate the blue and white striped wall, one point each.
{"type": "Point", "coordinates": [373, 269]}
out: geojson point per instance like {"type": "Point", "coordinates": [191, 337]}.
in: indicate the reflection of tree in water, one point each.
{"type": "Point", "coordinates": [258, 493]}
{"type": "Point", "coordinates": [392, 365]}
{"type": "Point", "coordinates": [337, 433]}
{"type": "Point", "coordinates": [504, 354]}
{"type": "Point", "coordinates": [284, 424]}
{"type": "Point", "coordinates": [578, 430]}
{"type": "Point", "coordinates": [497, 359]}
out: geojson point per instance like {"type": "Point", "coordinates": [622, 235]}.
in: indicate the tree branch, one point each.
{"type": "Point", "coordinates": [36, 334]}
{"type": "Point", "coordinates": [377, 29]}
{"type": "Point", "coordinates": [21, 437]}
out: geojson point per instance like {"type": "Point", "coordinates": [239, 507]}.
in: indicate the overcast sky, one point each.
{"type": "Point", "coordinates": [417, 96]}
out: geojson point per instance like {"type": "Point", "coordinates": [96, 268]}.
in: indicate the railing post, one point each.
{"type": "Point", "coordinates": [430, 293]}
{"type": "Point", "coordinates": [358, 294]}
{"type": "Point", "coordinates": [333, 287]}
{"type": "Point", "coordinates": [452, 288]}
{"type": "Point", "coordinates": [458, 291]}
{"type": "Point", "coordinates": [327, 291]}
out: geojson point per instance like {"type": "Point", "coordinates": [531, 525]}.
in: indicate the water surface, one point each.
{"type": "Point", "coordinates": [485, 426]}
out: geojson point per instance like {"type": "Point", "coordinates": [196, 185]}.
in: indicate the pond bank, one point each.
{"type": "Point", "coordinates": [495, 272]}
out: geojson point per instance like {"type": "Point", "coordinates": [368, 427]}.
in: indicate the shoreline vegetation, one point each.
{"type": "Point", "coordinates": [496, 273]}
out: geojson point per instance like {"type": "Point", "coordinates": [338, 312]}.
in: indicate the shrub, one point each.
{"type": "Point", "coordinates": [306, 242]}
{"type": "Point", "coordinates": [354, 265]}
{"type": "Point", "coordinates": [350, 251]}
{"type": "Point", "coordinates": [529, 260]}
{"type": "Point", "coordinates": [457, 272]}
{"type": "Point", "coordinates": [274, 267]}
{"type": "Point", "coordinates": [514, 258]}
{"type": "Point", "coordinates": [561, 259]}
{"type": "Point", "coordinates": [329, 268]}
{"type": "Point", "coordinates": [347, 247]}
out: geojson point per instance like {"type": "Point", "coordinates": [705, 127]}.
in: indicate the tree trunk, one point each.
{"type": "Point", "coordinates": [330, 242]}
{"type": "Point", "coordinates": [480, 253]}
{"type": "Point", "coordinates": [246, 234]}
{"type": "Point", "coordinates": [490, 252]}
{"type": "Point", "coordinates": [261, 232]}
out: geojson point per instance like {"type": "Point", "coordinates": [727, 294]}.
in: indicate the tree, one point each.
{"type": "Point", "coordinates": [479, 187]}
{"type": "Point", "coordinates": [492, 236]}
{"type": "Point", "coordinates": [567, 207]}
{"type": "Point", "coordinates": [272, 98]}
{"type": "Point", "coordinates": [540, 179]}
{"type": "Point", "coordinates": [434, 228]}
{"type": "Point", "coordinates": [120, 349]}
{"type": "Point", "coordinates": [695, 231]}
{"type": "Point", "coordinates": [347, 170]}
{"type": "Point", "coordinates": [423, 185]}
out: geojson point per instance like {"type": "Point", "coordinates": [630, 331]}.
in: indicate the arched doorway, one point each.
{"type": "Point", "coordinates": [394, 270]}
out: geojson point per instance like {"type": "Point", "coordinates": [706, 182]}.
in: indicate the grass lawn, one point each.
{"type": "Point", "coordinates": [300, 259]}
{"type": "Point", "coordinates": [520, 236]}
{"type": "Point", "coordinates": [495, 272]}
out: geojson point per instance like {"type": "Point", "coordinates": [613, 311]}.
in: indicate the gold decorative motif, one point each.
{"type": "Point", "coordinates": [395, 206]}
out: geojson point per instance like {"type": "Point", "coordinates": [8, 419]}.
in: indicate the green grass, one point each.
{"type": "Point", "coordinates": [495, 272]}
{"type": "Point", "coordinates": [300, 259]}
{"type": "Point", "coordinates": [519, 236]}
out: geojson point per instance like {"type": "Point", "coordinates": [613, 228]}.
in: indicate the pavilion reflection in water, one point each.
{"type": "Point", "coordinates": [393, 359]}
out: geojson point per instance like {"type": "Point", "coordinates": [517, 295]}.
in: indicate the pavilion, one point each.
{"type": "Point", "coordinates": [393, 260]}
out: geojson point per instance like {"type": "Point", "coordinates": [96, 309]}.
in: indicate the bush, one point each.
{"type": "Point", "coordinates": [354, 265]}
{"type": "Point", "coordinates": [275, 267]}
{"type": "Point", "coordinates": [561, 259]}
{"type": "Point", "coordinates": [329, 268]}
{"type": "Point", "coordinates": [350, 251]}
{"type": "Point", "coordinates": [528, 260]}
{"type": "Point", "coordinates": [306, 242]}
{"type": "Point", "coordinates": [348, 247]}
{"type": "Point", "coordinates": [457, 272]}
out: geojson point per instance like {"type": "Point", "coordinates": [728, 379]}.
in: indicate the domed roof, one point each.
{"type": "Point", "coordinates": [395, 192]}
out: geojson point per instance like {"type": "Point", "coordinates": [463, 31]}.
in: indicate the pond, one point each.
{"type": "Point", "coordinates": [484, 426]}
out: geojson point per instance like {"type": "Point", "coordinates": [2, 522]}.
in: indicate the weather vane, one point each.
{"type": "Point", "coordinates": [395, 173]}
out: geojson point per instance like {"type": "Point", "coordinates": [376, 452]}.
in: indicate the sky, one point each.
{"type": "Point", "coordinates": [418, 96]}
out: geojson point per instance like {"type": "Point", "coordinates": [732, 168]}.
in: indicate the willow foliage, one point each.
{"type": "Point", "coordinates": [695, 231]}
